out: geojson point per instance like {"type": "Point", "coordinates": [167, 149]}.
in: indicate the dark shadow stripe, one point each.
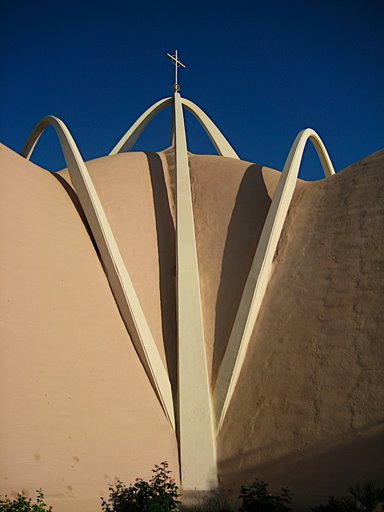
{"type": "Point", "coordinates": [166, 243]}
{"type": "Point", "coordinates": [76, 203]}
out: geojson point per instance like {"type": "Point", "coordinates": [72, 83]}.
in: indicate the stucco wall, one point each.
{"type": "Point", "coordinates": [77, 410]}
{"type": "Point", "coordinates": [308, 409]}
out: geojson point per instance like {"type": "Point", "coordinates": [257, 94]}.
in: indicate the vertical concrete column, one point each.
{"type": "Point", "coordinates": [195, 413]}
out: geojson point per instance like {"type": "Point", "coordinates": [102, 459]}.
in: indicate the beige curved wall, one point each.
{"type": "Point", "coordinates": [308, 409]}
{"type": "Point", "coordinates": [77, 409]}
{"type": "Point", "coordinates": [132, 190]}
{"type": "Point", "coordinates": [230, 200]}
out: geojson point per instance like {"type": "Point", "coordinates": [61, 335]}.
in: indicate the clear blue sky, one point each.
{"type": "Point", "coordinates": [262, 70]}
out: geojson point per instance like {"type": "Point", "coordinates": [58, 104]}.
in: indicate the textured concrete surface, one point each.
{"type": "Point", "coordinates": [308, 409]}
{"type": "Point", "coordinates": [127, 185]}
{"type": "Point", "coordinates": [76, 407]}
{"type": "Point", "coordinates": [231, 200]}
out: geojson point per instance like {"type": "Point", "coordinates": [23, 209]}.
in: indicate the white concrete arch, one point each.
{"type": "Point", "coordinates": [221, 144]}
{"type": "Point", "coordinates": [260, 271]}
{"type": "Point", "coordinates": [218, 140]}
{"type": "Point", "coordinates": [134, 132]}
{"type": "Point", "coordinates": [116, 270]}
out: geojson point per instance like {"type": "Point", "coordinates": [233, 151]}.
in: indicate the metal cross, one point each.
{"type": "Point", "coordinates": [177, 64]}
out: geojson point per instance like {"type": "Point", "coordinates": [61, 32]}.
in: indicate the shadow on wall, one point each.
{"type": "Point", "coordinates": [318, 472]}
{"type": "Point", "coordinates": [166, 243]}
{"type": "Point", "coordinates": [76, 203]}
{"type": "Point", "coordinates": [244, 230]}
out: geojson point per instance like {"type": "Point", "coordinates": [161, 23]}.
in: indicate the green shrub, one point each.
{"type": "Point", "coordinates": [257, 498]}
{"type": "Point", "coordinates": [362, 498]}
{"type": "Point", "coordinates": [23, 504]}
{"type": "Point", "coordinates": [367, 496]}
{"type": "Point", "coordinates": [158, 495]}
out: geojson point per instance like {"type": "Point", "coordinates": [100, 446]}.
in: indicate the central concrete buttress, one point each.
{"type": "Point", "coordinates": [196, 427]}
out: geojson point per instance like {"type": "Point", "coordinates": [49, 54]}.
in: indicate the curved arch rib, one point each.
{"type": "Point", "coordinates": [134, 132]}
{"type": "Point", "coordinates": [117, 273]}
{"type": "Point", "coordinates": [221, 144]}
{"type": "Point", "coordinates": [260, 271]}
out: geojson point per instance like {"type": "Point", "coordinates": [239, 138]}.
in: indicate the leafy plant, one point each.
{"type": "Point", "coordinates": [158, 495]}
{"type": "Point", "coordinates": [23, 504]}
{"type": "Point", "coordinates": [256, 498]}
{"type": "Point", "coordinates": [334, 505]}
{"type": "Point", "coordinates": [363, 498]}
{"type": "Point", "coordinates": [367, 496]}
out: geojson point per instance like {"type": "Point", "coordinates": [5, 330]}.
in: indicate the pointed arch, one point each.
{"type": "Point", "coordinates": [117, 273]}
{"type": "Point", "coordinates": [221, 144]}
{"type": "Point", "coordinates": [134, 132]}
{"type": "Point", "coordinates": [259, 274]}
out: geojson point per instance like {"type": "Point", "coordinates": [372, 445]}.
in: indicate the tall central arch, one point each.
{"type": "Point", "coordinates": [130, 137]}
{"type": "Point", "coordinates": [196, 421]}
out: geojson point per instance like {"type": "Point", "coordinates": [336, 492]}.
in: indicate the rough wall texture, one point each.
{"type": "Point", "coordinates": [308, 408]}
{"type": "Point", "coordinates": [76, 407]}
{"type": "Point", "coordinates": [230, 202]}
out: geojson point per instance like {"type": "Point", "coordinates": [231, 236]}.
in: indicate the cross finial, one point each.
{"type": "Point", "coordinates": [177, 64]}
